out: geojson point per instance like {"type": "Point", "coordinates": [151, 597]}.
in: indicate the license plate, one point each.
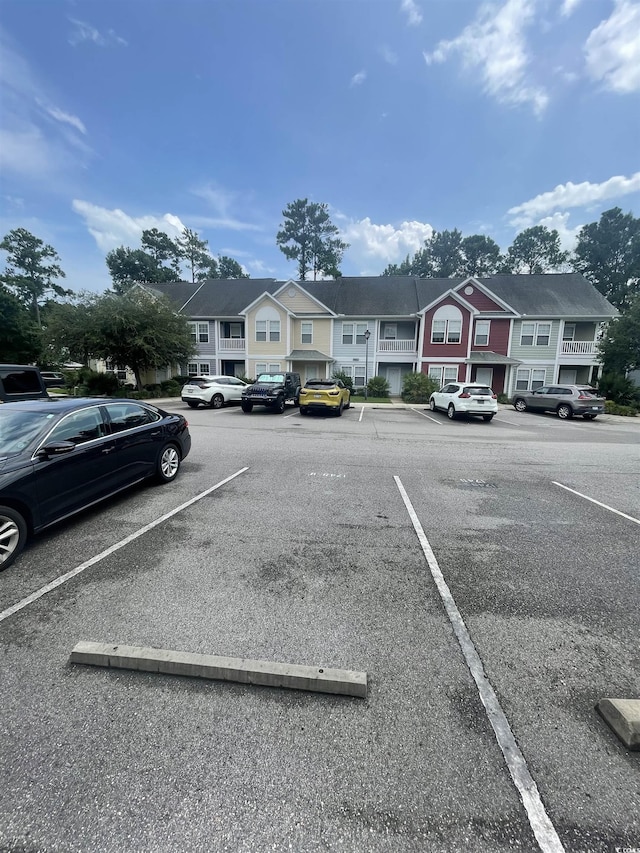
{"type": "Point", "coordinates": [597, 408]}
{"type": "Point", "coordinates": [318, 396]}
{"type": "Point", "coordinates": [480, 401]}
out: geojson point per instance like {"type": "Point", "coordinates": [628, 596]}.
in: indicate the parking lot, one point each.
{"type": "Point", "coordinates": [311, 550]}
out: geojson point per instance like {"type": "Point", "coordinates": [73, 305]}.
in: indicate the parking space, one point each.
{"type": "Point", "coordinates": [310, 556]}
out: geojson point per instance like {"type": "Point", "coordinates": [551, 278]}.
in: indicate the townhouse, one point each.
{"type": "Point", "coordinates": [513, 332]}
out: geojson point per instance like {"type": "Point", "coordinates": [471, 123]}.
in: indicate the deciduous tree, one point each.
{"type": "Point", "coordinates": [620, 346]}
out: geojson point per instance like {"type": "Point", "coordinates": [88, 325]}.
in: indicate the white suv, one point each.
{"type": "Point", "coordinates": [212, 391]}
{"type": "Point", "coordinates": [465, 398]}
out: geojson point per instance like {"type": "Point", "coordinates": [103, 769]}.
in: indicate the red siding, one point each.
{"type": "Point", "coordinates": [436, 351]}
{"type": "Point", "coordinates": [480, 300]}
{"type": "Point", "coordinates": [498, 337]}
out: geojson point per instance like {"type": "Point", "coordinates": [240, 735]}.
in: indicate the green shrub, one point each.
{"type": "Point", "coordinates": [503, 398]}
{"type": "Point", "coordinates": [612, 408]}
{"type": "Point", "coordinates": [619, 389]}
{"type": "Point", "coordinates": [346, 379]}
{"type": "Point", "coordinates": [378, 387]}
{"type": "Point", "coordinates": [96, 383]}
{"type": "Point", "coordinates": [171, 388]}
{"type": "Point", "coordinates": [417, 387]}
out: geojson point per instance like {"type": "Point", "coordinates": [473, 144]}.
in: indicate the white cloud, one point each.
{"type": "Point", "coordinates": [222, 201]}
{"type": "Point", "coordinates": [568, 7]}
{"type": "Point", "coordinates": [559, 222]}
{"type": "Point", "coordinates": [82, 31]}
{"type": "Point", "coordinates": [113, 228]}
{"type": "Point", "coordinates": [613, 49]}
{"type": "Point", "coordinates": [358, 78]}
{"type": "Point", "coordinates": [67, 118]}
{"type": "Point", "coordinates": [572, 195]}
{"type": "Point", "coordinates": [495, 45]}
{"type": "Point", "coordinates": [372, 246]}
{"type": "Point", "coordinates": [388, 55]}
{"type": "Point", "coordinates": [412, 11]}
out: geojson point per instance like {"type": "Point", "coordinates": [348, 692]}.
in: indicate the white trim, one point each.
{"type": "Point", "coordinates": [487, 292]}
{"type": "Point", "coordinates": [453, 295]}
{"type": "Point", "coordinates": [298, 286]}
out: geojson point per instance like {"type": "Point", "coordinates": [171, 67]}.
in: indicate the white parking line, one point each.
{"type": "Point", "coordinates": [594, 501]}
{"type": "Point", "coordinates": [292, 414]}
{"type": "Point", "coordinates": [361, 414]}
{"type": "Point", "coordinates": [63, 578]}
{"type": "Point", "coordinates": [544, 831]}
{"type": "Point", "coordinates": [418, 412]}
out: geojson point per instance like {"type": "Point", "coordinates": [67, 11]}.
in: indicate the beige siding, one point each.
{"type": "Point", "coordinates": [267, 350]}
{"type": "Point", "coordinates": [300, 302]}
{"type": "Point", "coordinates": [321, 335]}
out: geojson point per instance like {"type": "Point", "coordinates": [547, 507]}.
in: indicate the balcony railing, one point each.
{"type": "Point", "coordinates": [579, 347]}
{"type": "Point", "coordinates": [233, 344]}
{"type": "Point", "coordinates": [397, 346]}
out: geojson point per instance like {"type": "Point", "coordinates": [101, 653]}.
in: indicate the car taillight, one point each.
{"type": "Point", "coordinates": [464, 396]}
{"type": "Point", "coordinates": [494, 396]}
{"type": "Point", "coordinates": [584, 397]}
{"type": "Point", "coordinates": [334, 393]}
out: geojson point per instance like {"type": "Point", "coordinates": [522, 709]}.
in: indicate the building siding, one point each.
{"type": "Point", "coordinates": [498, 337]}
{"type": "Point", "coordinates": [321, 335]}
{"type": "Point", "coordinates": [437, 351]}
{"type": "Point", "coordinates": [535, 353]}
{"type": "Point", "coordinates": [300, 303]}
{"type": "Point", "coordinates": [480, 300]}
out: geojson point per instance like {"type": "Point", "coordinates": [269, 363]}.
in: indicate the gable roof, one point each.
{"type": "Point", "coordinates": [551, 295]}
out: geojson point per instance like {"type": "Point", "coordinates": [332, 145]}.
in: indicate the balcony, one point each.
{"type": "Point", "coordinates": [397, 346]}
{"type": "Point", "coordinates": [579, 348]}
{"type": "Point", "coordinates": [232, 344]}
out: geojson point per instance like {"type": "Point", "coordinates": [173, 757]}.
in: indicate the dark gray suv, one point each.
{"type": "Point", "coordinates": [565, 400]}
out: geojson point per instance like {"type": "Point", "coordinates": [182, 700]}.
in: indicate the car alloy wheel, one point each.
{"type": "Point", "coordinates": [519, 405]}
{"type": "Point", "coordinates": [217, 401]}
{"type": "Point", "coordinates": [13, 535]}
{"type": "Point", "coordinates": [279, 405]}
{"type": "Point", "coordinates": [168, 463]}
{"type": "Point", "coordinates": [432, 404]}
{"type": "Point", "coordinates": [564, 412]}
{"type": "Point", "coordinates": [451, 412]}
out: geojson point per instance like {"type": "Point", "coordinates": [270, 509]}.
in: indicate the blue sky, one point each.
{"type": "Point", "coordinates": [402, 115]}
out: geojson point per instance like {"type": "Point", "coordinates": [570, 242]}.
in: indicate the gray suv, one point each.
{"type": "Point", "coordinates": [565, 400]}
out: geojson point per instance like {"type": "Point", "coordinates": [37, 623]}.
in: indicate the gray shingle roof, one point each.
{"type": "Point", "coordinates": [551, 295]}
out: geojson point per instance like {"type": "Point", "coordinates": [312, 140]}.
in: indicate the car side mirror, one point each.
{"type": "Point", "coordinates": [55, 448]}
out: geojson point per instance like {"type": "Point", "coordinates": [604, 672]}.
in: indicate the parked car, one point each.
{"type": "Point", "coordinates": [272, 390]}
{"type": "Point", "coordinates": [52, 379]}
{"type": "Point", "coordinates": [60, 456]}
{"type": "Point", "coordinates": [214, 391]}
{"type": "Point", "coordinates": [324, 395]}
{"type": "Point", "coordinates": [565, 400]}
{"type": "Point", "coordinates": [470, 398]}
{"type": "Point", "coordinates": [21, 382]}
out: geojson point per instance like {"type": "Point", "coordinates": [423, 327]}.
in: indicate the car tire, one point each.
{"type": "Point", "coordinates": [168, 463]}
{"type": "Point", "coordinates": [348, 406]}
{"type": "Point", "coordinates": [296, 401]}
{"type": "Point", "coordinates": [589, 417]}
{"type": "Point", "coordinates": [217, 401]}
{"type": "Point", "coordinates": [278, 406]}
{"type": "Point", "coordinates": [451, 412]}
{"type": "Point", "coordinates": [487, 418]}
{"type": "Point", "coordinates": [13, 535]}
{"type": "Point", "coordinates": [192, 404]}
{"type": "Point", "coordinates": [339, 412]}
{"type": "Point", "coordinates": [520, 405]}
{"type": "Point", "coordinates": [432, 404]}
{"type": "Point", "coordinates": [247, 407]}
{"type": "Point", "coordinates": [564, 411]}
{"type": "Point", "coordinates": [304, 411]}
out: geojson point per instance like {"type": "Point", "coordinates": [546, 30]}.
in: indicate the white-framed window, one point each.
{"type": "Point", "coordinates": [354, 333]}
{"type": "Point", "coordinates": [264, 367]}
{"type": "Point", "coordinates": [235, 330]}
{"type": "Point", "coordinates": [361, 329]}
{"type": "Point", "coordinates": [199, 368]}
{"type": "Point", "coordinates": [528, 379]}
{"type": "Point", "coordinates": [359, 375]}
{"type": "Point", "coordinates": [481, 338]}
{"type": "Point", "coordinates": [390, 331]}
{"type": "Point", "coordinates": [537, 334]}
{"type": "Point", "coordinates": [347, 333]}
{"type": "Point", "coordinates": [443, 374]}
{"type": "Point", "coordinates": [261, 332]}
{"type": "Point", "coordinates": [274, 367]}
{"type": "Point", "coordinates": [569, 332]}
{"type": "Point", "coordinates": [192, 369]}
{"type": "Point", "coordinates": [199, 332]}
{"type": "Point", "coordinates": [274, 330]}
{"type": "Point", "coordinates": [446, 326]}
{"type": "Point", "coordinates": [306, 332]}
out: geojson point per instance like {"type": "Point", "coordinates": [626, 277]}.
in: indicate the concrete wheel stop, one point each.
{"type": "Point", "coordinates": [623, 716]}
{"type": "Point", "coordinates": [242, 670]}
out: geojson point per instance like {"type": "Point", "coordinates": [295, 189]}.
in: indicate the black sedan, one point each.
{"type": "Point", "coordinates": [58, 457]}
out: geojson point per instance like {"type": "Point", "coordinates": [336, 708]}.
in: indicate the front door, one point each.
{"type": "Point", "coordinates": [568, 375]}
{"type": "Point", "coordinates": [484, 376]}
{"type": "Point", "coordinates": [394, 375]}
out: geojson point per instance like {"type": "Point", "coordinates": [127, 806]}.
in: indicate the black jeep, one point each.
{"type": "Point", "coordinates": [272, 390]}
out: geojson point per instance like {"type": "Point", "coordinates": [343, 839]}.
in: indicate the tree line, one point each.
{"type": "Point", "coordinates": [45, 322]}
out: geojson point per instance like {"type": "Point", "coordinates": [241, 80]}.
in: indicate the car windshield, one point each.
{"type": "Point", "coordinates": [588, 392]}
{"type": "Point", "coordinates": [19, 428]}
{"type": "Point", "coordinates": [271, 377]}
{"type": "Point", "coordinates": [478, 392]}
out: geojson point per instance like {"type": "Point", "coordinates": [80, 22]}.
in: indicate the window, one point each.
{"type": "Point", "coordinates": [358, 376]}
{"type": "Point", "coordinates": [361, 328]}
{"type": "Point", "coordinates": [569, 332]}
{"type": "Point", "coordinates": [203, 333]}
{"type": "Point", "coordinates": [261, 330]}
{"type": "Point", "coordinates": [306, 333]}
{"type": "Point", "coordinates": [192, 369]}
{"type": "Point", "coordinates": [390, 331]}
{"type": "Point", "coordinates": [261, 367]}
{"type": "Point", "coordinates": [274, 368]}
{"type": "Point", "coordinates": [347, 333]}
{"type": "Point", "coordinates": [124, 416]}
{"type": "Point", "coordinates": [527, 379]}
{"type": "Point", "coordinates": [203, 369]}
{"type": "Point", "coordinates": [198, 368]}
{"type": "Point", "coordinates": [193, 331]}
{"type": "Point", "coordinates": [454, 331]}
{"type": "Point", "coordinates": [535, 333]}
{"type": "Point", "coordinates": [438, 331]}
{"type": "Point", "coordinates": [481, 338]}
{"type": "Point", "coordinates": [442, 374]}
{"type": "Point", "coordinates": [79, 427]}
{"type": "Point", "coordinates": [449, 330]}
{"type": "Point", "coordinates": [274, 330]}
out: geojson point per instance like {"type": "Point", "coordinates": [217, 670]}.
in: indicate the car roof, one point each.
{"type": "Point", "coordinates": [56, 405]}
